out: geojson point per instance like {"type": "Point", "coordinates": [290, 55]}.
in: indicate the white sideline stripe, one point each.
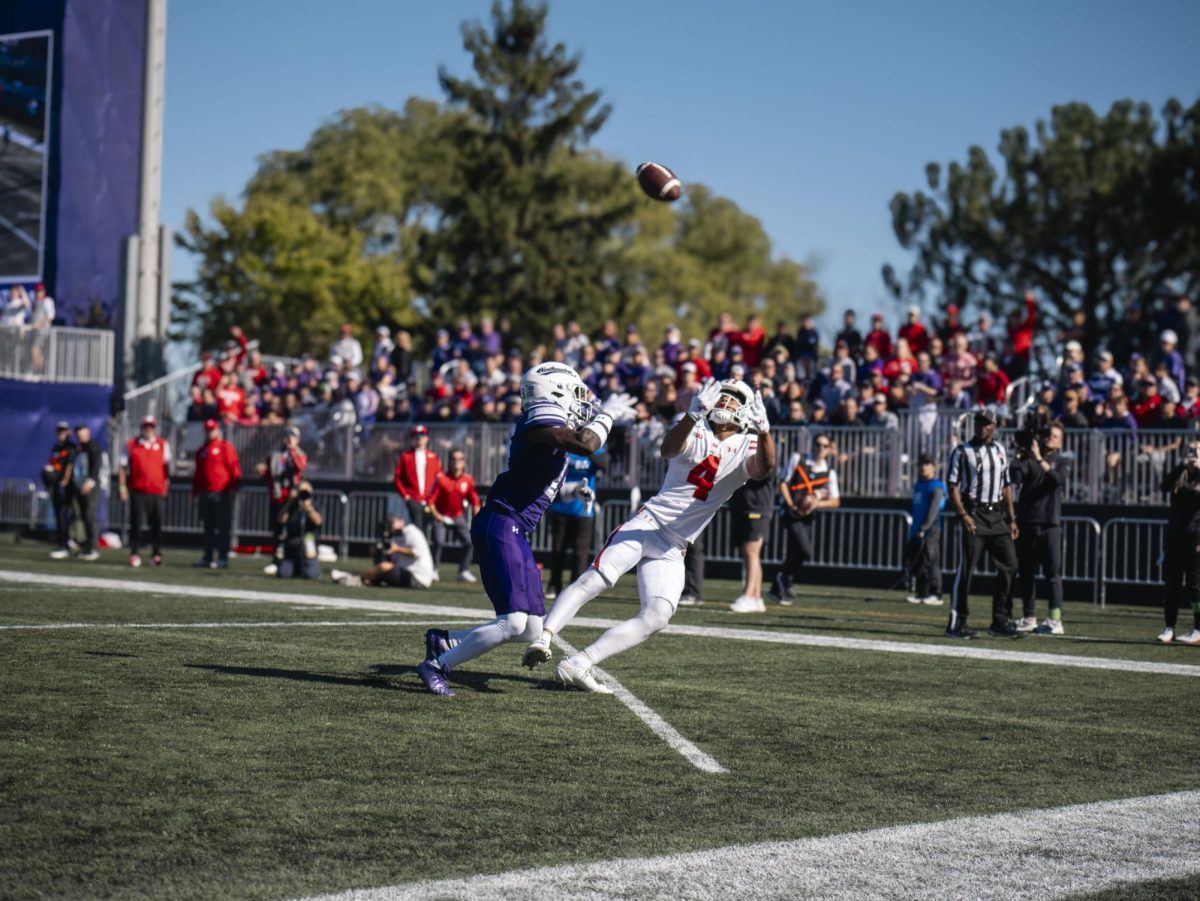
{"type": "Point", "coordinates": [959, 650]}
{"type": "Point", "coordinates": [657, 724]}
{"type": "Point", "coordinates": [1040, 854]}
{"type": "Point", "coordinates": [36, 627]}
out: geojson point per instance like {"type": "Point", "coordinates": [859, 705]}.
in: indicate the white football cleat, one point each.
{"type": "Point", "coordinates": [933, 600]}
{"type": "Point", "coordinates": [748, 605]}
{"type": "Point", "coordinates": [1050, 627]}
{"type": "Point", "coordinates": [538, 651]}
{"type": "Point", "coordinates": [90, 556]}
{"type": "Point", "coordinates": [1167, 635]}
{"type": "Point", "coordinates": [575, 673]}
{"type": "Point", "coordinates": [467, 576]}
{"type": "Point", "coordinates": [913, 599]}
{"type": "Point", "coordinates": [689, 600]}
{"type": "Point", "coordinates": [272, 569]}
{"type": "Point", "coordinates": [61, 554]}
{"type": "Point", "coordinates": [1027, 624]}
{"type": "Point", "coordinates": [1192, 637]}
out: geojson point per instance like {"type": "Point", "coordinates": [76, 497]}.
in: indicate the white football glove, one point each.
{"type": "Point", "coordinates": [758, 416]}
{"type": "Point", "coordinates": [619, 407]}
{"type": "Point", "coordinates": [704, 400]}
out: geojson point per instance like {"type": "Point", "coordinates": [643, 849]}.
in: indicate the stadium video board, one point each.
{"type": "Point", "coordinates": [26, 66]}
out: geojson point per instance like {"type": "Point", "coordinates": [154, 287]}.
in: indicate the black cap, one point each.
{"type": "Point", "coordinates": [985, 414]}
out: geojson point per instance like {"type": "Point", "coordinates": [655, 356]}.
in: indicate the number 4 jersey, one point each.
{"type": "Point", "coordinates": [700, 480]}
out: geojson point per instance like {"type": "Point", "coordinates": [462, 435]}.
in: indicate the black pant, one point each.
{"type": "Point", "coordinates": [992, 536]}
{"type": "Point", "coordinates": [441, 537]}
{"type": "Point", "coordinates": [61, 500]}
{"type": "Point", "coordinates": [1039, 545]}
{"type": "Point", "coordinates": [1181, 569]}
{"type": "Point", "coordinates": [147, 508]}
{"type": "Point", "coordinates": [417, 515]}
{"type": "Point", "coordinates": [799, 549]}
{"type": "Point", "coordinates": [85, 504]}
{"type": "Point", "coordinates": [293, 566]}
{"type": "Point", "coordinates": [925, 564]}
{"type": "Point", "coordinates": [216, 512]}
{"type": "Point", "coordinates": [278, 530]}
{"type": "Point", "coordinates": [693, 568]}
{"type": "Point", "coordinates": [571, 536]}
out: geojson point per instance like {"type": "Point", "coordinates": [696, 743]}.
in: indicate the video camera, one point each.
{"type": "Point", "coordinates": [1035, 428]}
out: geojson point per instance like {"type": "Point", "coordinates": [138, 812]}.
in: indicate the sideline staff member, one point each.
{"type": "Point", "coordinates": [811, 485]}
{"type": "Point", "coordinates": [1181, 560]}
{"type": "Point", "coordinates": [218, 474]}
{"type": "Point", "coordinates": [144, 476]}
{"type": "Point", "coordinates": [1042, 473]}
{"type": "Point", "coordinates": [982, 496]}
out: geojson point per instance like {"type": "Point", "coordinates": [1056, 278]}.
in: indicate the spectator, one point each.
{"type": "Point", "coordinates": [1146, 403]}
{"type": "Point", "coordinates": [951, 327]}
{"type": "Point", "coordinates": [415, 477]}
{"type": "Point", "coordinates": [144, 476]}
{"type": "Point", "coordinates": [851, 335]}
{"type": "Point", "coordinates": [980, 339]}
{"type": "Point", "coordinates": [85, 486]}
{"type": "Point", "coordinates": [847, 414]}
{"type": "Point", "coordinates": [925, 386]}
{"type": "Point", "coordinates": [672, 345]}
{"type": "Point", "coordinates": [752, 341]}
{"type": "Point", "coordinates": [1020, 338]}
{"type": "Point", "coordinates": [879, 416]}
{"type": "Point", "coordinates": [782, 338]}
{"type": "Point", "coordinates": [381, 354]}
{"type": "Point", "coordinates": [960, 364]}
{"type": "Point", "coordinates": [402, 358]}
{"type": "Point", "coordinates": [1073, 416]}
{"type": "Point", "coordinates": [807, 343]}
{"type": "Point", "coordinates": [878, 338]}
{"type": "Point", "coordinates": [1189, 406]}
{"type": "Point", "coordinates": [453, 492]}
{"type": "Point", "coordinates": [218, 475]}
{"type": "Point", "coordinates": [231, 399]}
{"type": "Point", "coordinates": [489, 338]}
{"type": "Point", "coordinates": [1170, 358]}
{"type": "Point", "coordinates": [992, 385]}
{"type": "Point", "coordinates": [347, 348]}
{"type": "Point", "coordinates": [56, 476]}
{"type": "Point", "coordinates": [1105, 377]}
{"type": "Point", "coordinates": [914, 331]}
{"type": "Point", "coordinates": [16, 311]}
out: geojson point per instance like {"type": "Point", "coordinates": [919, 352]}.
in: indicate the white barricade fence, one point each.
{"type": "Point", "coordinates": [252, 517]}
{"type": "Point", "coordinates": [1132, 552]}
{"type": "Point", "coordinates": [18, 502]}
{"type": "Point", "coordinates": [70, 355]}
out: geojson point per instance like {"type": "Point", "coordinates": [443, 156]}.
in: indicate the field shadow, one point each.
{"type": "Point", "coordinates": [382, 676]}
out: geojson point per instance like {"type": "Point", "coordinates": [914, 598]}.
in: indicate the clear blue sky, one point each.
{"type": "Point", "coordinates": [808, 115]}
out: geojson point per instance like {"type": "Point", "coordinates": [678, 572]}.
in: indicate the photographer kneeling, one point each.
{"type": "Point", "coordinates": [299, 525]}
{"type": "Point", "coordinates": [402, 559]}
{"type": "Point", "coordinates": [1041, 472]}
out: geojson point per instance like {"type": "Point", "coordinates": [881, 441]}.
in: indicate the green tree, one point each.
{"type": "Point", "coordinates": [524, 227]}
{"type": "Point", "coordinates": [1092, 213]}
{"type": "Point", "coordinates": [284, 276]}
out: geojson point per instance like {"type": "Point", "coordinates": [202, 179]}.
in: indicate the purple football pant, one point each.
{"type": "Point", "coordinates": [510, 575]}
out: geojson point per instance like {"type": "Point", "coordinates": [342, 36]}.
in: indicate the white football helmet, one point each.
{"type": "Point", "coordinates": [559, 383]}
{"type": "Point", "coordinates": [723, 411]}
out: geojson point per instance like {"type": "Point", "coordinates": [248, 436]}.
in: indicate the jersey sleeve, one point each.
{"type": "Point", "coordinates": [832, 485]}
{"type": "Point", "coordinates": [953, 466]}
{"type": "Point", "coordinates": [541, 414]}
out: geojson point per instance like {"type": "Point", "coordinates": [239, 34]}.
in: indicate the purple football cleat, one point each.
{"type": "Point", "coordinates": [434, 678]}
{"type": "Point", "coordinates": [437, 643]}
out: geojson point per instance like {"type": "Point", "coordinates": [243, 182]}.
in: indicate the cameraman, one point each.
{"type": "Point", "coordinates": [1181, 559]}
{"type": "Point", "coordinates": [298, 526]}
{"type": "Point", "coordinates": [402, 559]}
{"type": "Point", "coordinates": [1041, 472]}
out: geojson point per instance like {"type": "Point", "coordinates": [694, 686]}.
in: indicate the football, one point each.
{"type": "Point", "coordinates": [806, 504]}
{"type": "Point", "coordinates": [658, 182]}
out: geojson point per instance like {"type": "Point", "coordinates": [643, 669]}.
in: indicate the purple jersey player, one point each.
{"type": "Point", "coordinates": [557, 417]}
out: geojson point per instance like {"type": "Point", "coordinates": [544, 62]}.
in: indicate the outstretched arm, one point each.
{"type": "Point", "coordinates": [676, 438]}
{"type": "Point", "coordinates": [762, 464]}
{"type": "Point", "coordinates": [584, 442]}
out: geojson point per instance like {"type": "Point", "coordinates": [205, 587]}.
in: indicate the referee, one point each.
{"type": "Point", "coordinates": [982, 496]}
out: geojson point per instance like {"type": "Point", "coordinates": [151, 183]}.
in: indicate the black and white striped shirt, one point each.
{"type": "Point", "coordinates": [979, 470]}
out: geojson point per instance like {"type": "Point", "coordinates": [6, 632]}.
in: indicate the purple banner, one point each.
{"type": "Point", "coordinates": [29, 412]}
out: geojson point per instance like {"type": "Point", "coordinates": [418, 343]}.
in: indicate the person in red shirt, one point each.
{"type": "Point", "coordinates": [283, 471]}
{"type": "Point", "coordinates": [1020, 337]}
{"type": "Point", "coordinates": [452, 491]}
{"type": "Point", "coordinates": [208, 375]}
{"type": "Point", "coordinates": [751, 341]}
{"type": "Point", "coordinates": [231, 399]}
{"type": "Point", "coordinates": [691, 354]}
{"type": "Point", "coordinates": [914, 332]}
{"type": "Point", "coordinates": [878, 338]}
{"type": "Point", "coordinates": [992, 384]}
{"type": "Point", "coordinates": [416, 473]}
{"type": "Point", "coordinates": [218, 475]}
{"type": "Point", "coordinates": [143, 478]}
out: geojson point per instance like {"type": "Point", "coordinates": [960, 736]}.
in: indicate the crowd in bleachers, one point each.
{"type": "Point", "coordinates": [1144, 377]}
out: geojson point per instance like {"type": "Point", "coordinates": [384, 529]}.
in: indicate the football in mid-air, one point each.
{"type": "Point", "coordinates": [659, 182]}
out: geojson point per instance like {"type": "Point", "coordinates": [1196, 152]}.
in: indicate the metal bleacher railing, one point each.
{"type": "Point", "coordinates": [69, 355]}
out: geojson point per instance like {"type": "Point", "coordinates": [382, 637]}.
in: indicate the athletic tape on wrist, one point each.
{"type": "Point", "coordinates": [600, 426]}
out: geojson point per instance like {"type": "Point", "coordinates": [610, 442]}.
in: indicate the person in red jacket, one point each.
{"type": "Point", "coordinates": [143, 478]}
{"type": "Point", "coordinates": [879, 338]}
{"type": "Point", "coordinates": [416, 473]}
{"type": "Point", "coordinates": [218, 475]}
{"type": "Point", "coordinates": [914, 331]}
{"type": "Point", "coordinates": [452, 491]}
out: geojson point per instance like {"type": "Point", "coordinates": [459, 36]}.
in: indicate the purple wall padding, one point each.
{"type": "Point", "coordinates": [29, 412]}
{"type": "Point", "coordinates": [95, 144]}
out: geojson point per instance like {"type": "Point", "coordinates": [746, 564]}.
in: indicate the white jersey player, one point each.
{"type": "Point", "coordinates": [721, 442]}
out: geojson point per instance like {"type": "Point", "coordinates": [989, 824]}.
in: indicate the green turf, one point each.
{"type": "Point", "coordinates": [276, 762]}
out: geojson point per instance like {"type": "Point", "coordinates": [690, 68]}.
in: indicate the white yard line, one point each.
{"type": "Point", "coordinates": [657, 724]}
{"type": "Point", "coordinates": [43, 627]}
{"type": "Point", "coordinates": [961, 650]}
{"type": "Point", "coordinates": [1040, 854]}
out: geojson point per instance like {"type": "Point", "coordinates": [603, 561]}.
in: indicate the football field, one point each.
{"type": "Point", "coordinates": [180, 733]}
